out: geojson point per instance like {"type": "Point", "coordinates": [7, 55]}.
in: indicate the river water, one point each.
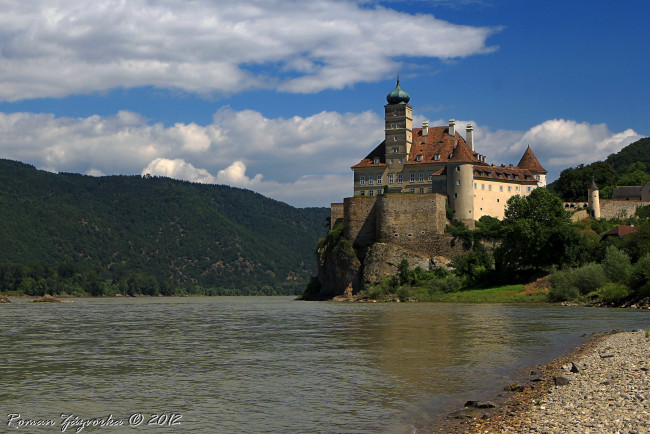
{"type": "Point", "coordinates": [271, 364]}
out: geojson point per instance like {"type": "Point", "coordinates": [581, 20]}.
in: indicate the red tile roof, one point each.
{"type": "Point", "coordinates": [438, 143]}
{"type": "Point", "coordinates": [621, 231]}
{"type": "Point", "coordinates": [530, 162]}
{"type": "Point", "coordinates": [504, 173]}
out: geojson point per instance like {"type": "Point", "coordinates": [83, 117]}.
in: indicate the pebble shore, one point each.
{"type": "Point", "coordinates": [603, 387]}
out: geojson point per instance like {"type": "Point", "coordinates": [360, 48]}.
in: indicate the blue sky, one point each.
{"type": "Point", "coordinates": [283, 96]}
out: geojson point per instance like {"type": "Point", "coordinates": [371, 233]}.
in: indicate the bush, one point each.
{"type": "Point", "coordinates": [404, 292]}
{"type": "Point", "coordinates": [563, 294]}
{"type": "Point", "coordinates": [563, 287]}
{"type": "Point", "coordinates": [449, 284]}
{"type": "Point", "coordinates": [640, 276]}
{"type": "Point", "coordinates": [617, 265]}
{"type": "Point", "coordinates": [589, 278]}
{"type": "Point", "coordinates": [613, 292]}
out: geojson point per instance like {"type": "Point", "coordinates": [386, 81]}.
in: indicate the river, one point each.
{"type": "Point", "coordinates": [272, 364]}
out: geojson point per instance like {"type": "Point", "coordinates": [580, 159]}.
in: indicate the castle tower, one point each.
{"type": "Point", "coordinates": [593, 199]}
{"type": "Point", "coordinates": [399, 128]}
{"type": "Point", "coordinates": [460, 183]}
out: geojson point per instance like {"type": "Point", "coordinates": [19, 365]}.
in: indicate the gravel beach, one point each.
{"type": "Point", "coordinates": [602, 387]}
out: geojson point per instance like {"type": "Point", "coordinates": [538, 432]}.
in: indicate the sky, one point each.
{"type": "Point", "coordinates": [282, 97]}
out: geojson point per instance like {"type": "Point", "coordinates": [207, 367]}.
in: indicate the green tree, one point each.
{"type": "Point", "coordinates": [537, 234]}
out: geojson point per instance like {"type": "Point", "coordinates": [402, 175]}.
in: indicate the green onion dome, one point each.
{"type": "Point", "coordinates": [398, 96]}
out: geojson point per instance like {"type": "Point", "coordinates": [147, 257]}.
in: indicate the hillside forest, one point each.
{"type": "Point", "coordinates": [81, 235]}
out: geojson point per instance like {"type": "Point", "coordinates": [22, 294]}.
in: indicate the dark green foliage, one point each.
{"type": "Point", "coordinates": [617, 265]}
{"type": "Point", "coordinates": [450, 283]}
{"type": "Point", "coordinates": [637, 152]}
{"type": "Point", "coordinates": [630, 166]}
{"type": "Point", "coordinates": [570, 284]}
{"type": "Point", "coordinates": [613, 292]}
{"type": "Point", "coordinates": [537, 234]}
{"type": "Point", "coordinates": [640, 276]}
{"type": "Point", "coordinates": [138, 235]}
{"type": "Point", "coordinates": [573, 183]}
{"type": "Point", "coordinates": [643, 212]}
{"type": "Point", "coordinates": [637, 244]}
{"type": "Point", "coordinates": [474, 266]}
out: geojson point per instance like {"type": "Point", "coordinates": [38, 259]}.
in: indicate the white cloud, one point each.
{"type": "Point", "coordinates": [557, 143]}
{"type": "Point", "coordinates": [54, 48]}
{"type": "Point", "coordinates": [300, 160]}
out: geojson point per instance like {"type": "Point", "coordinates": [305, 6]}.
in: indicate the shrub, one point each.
{"type": "Point", "coordinates": [589, 278]}
{"type": "Point", "coordinates": [449, 284]}
{"type": "Point", "coordinates": [617, 265]}
{"type": "Point", "coordinates": [563, 287]}
{"type": "Point", "coordinates": [404, 292]}
{"type": "Point", "coordinates": [613, 292]}
{"type": "Point", "coordinates": [640, 275]}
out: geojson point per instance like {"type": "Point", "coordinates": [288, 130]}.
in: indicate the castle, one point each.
{"type": "Point", "coordinates": [438, 160]}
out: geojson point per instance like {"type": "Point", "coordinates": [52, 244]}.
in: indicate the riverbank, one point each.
{"type": "Point", "coordinates": [603, 386]}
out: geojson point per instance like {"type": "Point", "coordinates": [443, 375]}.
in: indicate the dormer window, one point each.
{"type": "Point", "coordinates": [376, 160]}
{"type": "Point", "coordinates": [395, 150]}
{"type": "Point", "coordinates": [436, 157]}
{"type": "Point", "coordinates": [418, 158]}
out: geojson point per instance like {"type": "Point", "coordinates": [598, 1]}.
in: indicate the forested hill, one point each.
{"type": "Point", "coordinates": [129, 234]}
{"type": "Point", "coordinates": [629, 166]}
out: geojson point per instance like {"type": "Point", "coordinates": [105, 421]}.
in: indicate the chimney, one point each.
{"type": "Point", "coordinates": [425, 128]}
{"type": "Point", "coordinates": [469, 137]}
{"type": "Point", "coordinates": [452, 127]}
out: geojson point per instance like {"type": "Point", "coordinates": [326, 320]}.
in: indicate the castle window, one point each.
{"type": "Point", "coordinates": [497, 200]}
{"type": "Point", "coordinates": [436, 157]}
{"type": "Point", "coordinates": [457, 168]}
{"type": "Point", "coordinates": [412, 190]}
{"type": "Point", "coordinates": [391, 161]}
{"type": "Point", "coordinates": [537, 177]}
{"type": "Point", "coordinates": [516, 188]}
{"type": "Point", "coordinates": [500, 188]}
{"type": "Point", "coordinates": [421, 177]}
{"type": "Point", "coordinates": [482, 186]}
{"type": "Point", "coordinates": [400, 178]}
{"type": "Point", "coordinates": [376, 161]}
{"type": "Point", "coordinates": [394, 138]}
{"type": "Point", "coordinates": [475, 186]}
{"type": "Point", "coordinates": [455, 195]}
{"type": "Point", "coordinates": [362, 180]}
{"type": "Point", "coordinates": [371, 193]}
{"type": "Point", "coordinates": [363, 193]}
{"type": "Point", "coordinates": [412, 177]}
{"type": "Point", "coordinates": [509, 189]}
{"type": "Point", "coordinates": [490, 187]}
{"type": "Point", "coordinates": [430, 176]}
{"type": "Point", "coordinates": [370, 180]}
{"type": "Point", "coordinates": [390, 178]}
{"type": "Point", "coordinates": [418, 158]}
{"type": "Point", "coordinates": [421, 190]}
{"type": "Point", "coordinates": [378, 192]}
{"type": "Point", "coordinates": [529, 189]}
{"type": "Point", "coordinates": [458, 182]}
{"type": "Point", "coordinates": [400, 161]}
{"type": "Point", "coordinates": [430, 189]}
{"type": "Point", "coordinates": [378, 179]}
{"type": "Point", "coordinates": [395, 150]}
